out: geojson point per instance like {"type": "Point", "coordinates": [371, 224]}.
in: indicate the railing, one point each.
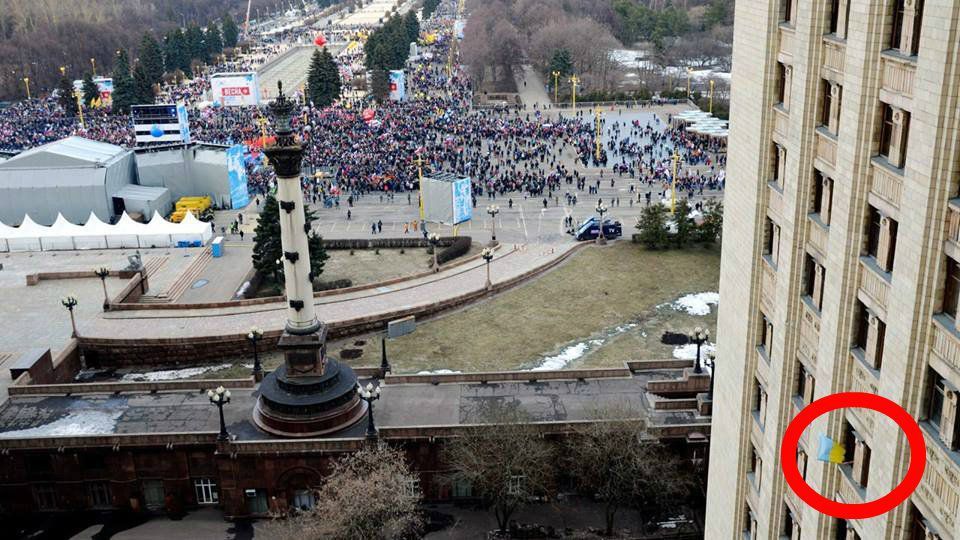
{"type": "Point", "coordinates": [946, 343]}
{"type": "Point", "coordinates": [819, 235]}
{"type": "Point", "coordinates": [786, 41]}
{"type": "Point", "coordinates": [849, 492]}
{"type": "Point", "coordinates": [809, 333]}
{"type": "Point", "coordinates": [940, 487]}
{"type": "Point", "coordinates": [886, 184]}
{"type": "Point", "coordinates": [834, 52]}
{"type": "Point", "coordinates": [875, 286]}
{"type": "Point", "coordinates": [897, 74]}
{"type": "Point", "coordinates": [953, 222]}
{"type": "Point", "coordinates": [866, 382]}
{"type": "Point", "coordinates": [781, 122]}
{"type": "Point", "coordinates": [826, 148]}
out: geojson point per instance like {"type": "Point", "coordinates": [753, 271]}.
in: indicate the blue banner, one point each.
{"type": "Point", "coordinates": [462, 201]}
{"type": "Point", "coordinates": [237, 173]}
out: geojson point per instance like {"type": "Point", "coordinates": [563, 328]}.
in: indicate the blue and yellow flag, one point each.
{"type": "Point", "coordinates": [831, 451]}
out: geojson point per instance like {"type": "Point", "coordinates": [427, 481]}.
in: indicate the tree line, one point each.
{"type": "Point", "coordinates": [388, 48]}
{"type": "Point", "coordinates": [37, 37]}
{"type": "Point", "coordinates": [505, 462]}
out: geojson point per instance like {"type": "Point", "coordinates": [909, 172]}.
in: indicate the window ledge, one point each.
{"type": "Point", "coordinates": [815, 217]}
{"type": "Point", "coordinates": [881, 161]}
{"type": "Point", "coordinates": [833, 37]}
{"type": "Point", "coordinates": [822, 130]}
{"type": "Point", "coordinates": [861, 357]}
{"type": "Point", "coordinates": [954, 203]}
{"type": "Point", "coordinates": [847, 471]}
{"type": "Point", "coordinates": [798, 401]}
{"type": "Point", "coordinates": [870, 262]}
{"type": "Point", "coordinates": [775, 185]}
{"type": "Point", "coordinates": [762, 351]}
{"type": "Point", "coordinates": [769, 260]}
{"type": "Point", "coordinates": [756, 418]}
{"type": "Point", "coordinates": [787, 25]}
{"type": "Point", "coordinates": [898, 56]}
{"type": "Point", "coordinates": [809, 302]}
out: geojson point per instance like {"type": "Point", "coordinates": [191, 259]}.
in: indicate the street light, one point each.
{"type": "Point", "coordinates": [253, 336]}
{"type": "Point", "coordinates": [434, 242]}
{"type": "Point", "coordinates": [556, 85]}
{"type": "Point", "coordinates": [369, 394]}
{"type": "Point", "coordinates": [102, 273]}
{"type": "Point", "coordinates": [93, 64]}
{"type": "Point", "coordinates": [493, 210]}
{"type": "Point", "coordinates": [699, 336]}
{"type": "Point", "coordinates": [26, 81]}
{"type": "Point", "coordinates": [689, 74]}
{"type": "Point", "coordinates": [574, 80]}
{"type": "Point", "coordinates": [711, 363]}
{"type": "Point", "coordinates": [70, 302]}
{"type": "Point", "coordinates": [220, 397]}
{"type": "Point", "coordinates": [487, 255]}
{"type": "Point", "coordinates": [601, 209]}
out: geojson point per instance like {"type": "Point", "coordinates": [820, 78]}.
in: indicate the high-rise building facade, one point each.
{"type": "Point", "coordinates": [841, 264]}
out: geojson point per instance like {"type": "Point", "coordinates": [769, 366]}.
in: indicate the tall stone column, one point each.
{"type": "Point", "coordinates": [310, 394]}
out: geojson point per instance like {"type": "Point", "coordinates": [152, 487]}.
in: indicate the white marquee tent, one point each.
{"type": "Point", "coordinates": [95, 234]}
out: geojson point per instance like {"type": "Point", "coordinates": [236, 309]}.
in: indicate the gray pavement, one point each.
{"type": "Point", "coordinates": [291, 68]}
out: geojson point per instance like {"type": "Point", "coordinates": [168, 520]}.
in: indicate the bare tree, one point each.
{"type": "Point", "coordinates": [370, 495]}
{"type": "Point", "coordinates": [505, 460]}
{"type": "Point", "coordinates": [611, 460]}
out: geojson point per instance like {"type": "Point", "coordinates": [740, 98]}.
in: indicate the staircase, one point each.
{"type": "Point", "coordinates": [187, 278]}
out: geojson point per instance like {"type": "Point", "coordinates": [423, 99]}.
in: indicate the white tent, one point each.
{"type": "Point", "coordinates": [95, 234]}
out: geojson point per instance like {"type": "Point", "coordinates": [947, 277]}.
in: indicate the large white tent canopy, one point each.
{"type": "Point", "coordinates": [95, 234]}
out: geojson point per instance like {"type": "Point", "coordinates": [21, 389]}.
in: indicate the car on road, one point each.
{"type": "Point", "coordinates": [590, 229]}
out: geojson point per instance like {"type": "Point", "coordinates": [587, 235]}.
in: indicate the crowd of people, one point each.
{"type": "Point", "coordinates": [435, 129]}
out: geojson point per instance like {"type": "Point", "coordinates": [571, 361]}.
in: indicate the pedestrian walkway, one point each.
{"type": "Point", "coordinates": [531, 88]}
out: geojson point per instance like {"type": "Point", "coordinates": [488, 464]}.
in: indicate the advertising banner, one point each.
{"type": "Point", "coordinates": [462, 201]}
{"type": "Point", "coordinates": [235, 89]}
{"type": "Point", "coordinates": [398, 90]}
{"type": "Point", "coordinates": [237, 174]}
{"type": "Point", "coordinates": [183, 119]}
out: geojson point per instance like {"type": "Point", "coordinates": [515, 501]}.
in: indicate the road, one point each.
{"type": "Point", "coordinates": [291, 68]}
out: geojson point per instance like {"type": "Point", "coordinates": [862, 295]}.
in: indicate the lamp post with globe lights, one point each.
{"type": "Point", "coordinates": [220, 397]}
{"type": "Point", "coordinates": [253, 336]}
{"type": "Point", "coordinates": [102, 273]}
{"type": "Point", "coordinates": [434, 243]}
{"type": "Point", "coordinates": [601, 209]}
{"type": "Point", "coordinates": [487, 255]}
{"type": "Point", "coordinates": [493, 210]}
{"type": "Point", "coordinates": [699, 336]}
{"type": "Point", "coordinates": [70, 302]}
{"type": "Point", "coordinates": [369, 394]}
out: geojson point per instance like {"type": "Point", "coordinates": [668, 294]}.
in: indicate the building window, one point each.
{"type": "Point", "coordinates": [873, 233]}
{"type": "Point", "coordinates": [917, 25]}
{"type": "Point", "coordinates": [411, 487]}
{"type": "Point", "coordinates": [786, 7]}
{"type": "Point", "coordinates": [45, 496]}
{"type": "Point", "coordinates": [756, 463]}
{"type": "Point", "coordinates": [750, 525]}
{"type": "Point", "coordinates": [834, 16]}
{"type": "Point", "coordinates": [303, 499]}
{"type": "Point", "coordinates": [759, 402]}
{"type": "Point", "coordinates": [766, 336]}
{"type": "Point", "coordinates": [515, 485]}
{"type": "Point", "coordinates": [805, 384]}
{"type": "Point", "coordinates": [802, 463]}
{"type": "Point", "coordinates": [791, 529]}
{"type": "Point", "coordinates": [827, 102]}
{"type": "Point", "coordinates": [771, 241]}
{"type": "Point", "coordinates": [814, 275]}
{"type": "Point", "coordinates": [886, 130]}
{"type": "Point", "coordinates": [920, 528]}
{"type": "Point", "coordinates": [882, 239]}
{"type": "Point", "coordinates": [256, 501]}
{"type": "Point", "coordinates": [100, 495]}
{"type": "Point", "coordinates": [845, 531]}
{"type": "Point", "coordinates": [896, 25]}
{"type": "Point", "coordinates": [462, 488]}
{"type": "Point", "coordinates": [38, 465]}
{"type": "Point", "coordinates": [206, 490]}
{"type": "Point", "coordinates": [870, 333]}
{"type": "Point", "coordinates": [894, 133]}
{"type": "Point", "coordinates": [781, 83]}
{"type": "Point", "coordinates": [857, 456]}
{"type": "Point", "coordinates": [951, 288]}
{"type": "Point", "coordinates": [822, 197]}
{"type": "Point", "coordinates": [942, 409]}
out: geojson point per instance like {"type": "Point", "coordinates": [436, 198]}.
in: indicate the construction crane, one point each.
{"type": "Point", "coordinates": [246, 24]}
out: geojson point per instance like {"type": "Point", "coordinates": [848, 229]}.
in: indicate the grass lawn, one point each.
{"type": "Point", "coordinates": [597, 290]}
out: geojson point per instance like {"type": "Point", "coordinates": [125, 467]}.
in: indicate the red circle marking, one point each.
{"type": "Point", "coordinates": [791, 438]}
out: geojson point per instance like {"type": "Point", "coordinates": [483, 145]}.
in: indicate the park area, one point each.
{"type": "Point", "coordinates": [601, 308]}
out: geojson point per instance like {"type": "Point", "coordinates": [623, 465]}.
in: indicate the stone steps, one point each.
{"type": "Point", "coordinates": [189, 276]}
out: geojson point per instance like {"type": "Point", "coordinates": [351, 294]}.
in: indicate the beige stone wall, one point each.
{"type": "Point", "coordinates": [906, 299]}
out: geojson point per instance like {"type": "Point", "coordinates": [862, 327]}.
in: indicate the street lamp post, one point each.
{"type": "Point", "coordinates": [102, 273]}
{"type": "Point", "coordinates": [78, 95]}
{"type": "Point", "coordinates": [254, 336]}
{"type": "Point", "coordinates": [601, 209]}
{"type": "Point", "coordinates": [711, 96]}
{"type": "Point", "coordinates": [711, 362]}
{"type": "Point", "coordinates": [26, 81]}
{"type": "Point", "coordinates": [70, 302]}
{"type": "Point", "coordinates": [689, 74]}
{"type": "Point", "coordinates": [673, 182]}
{"type": "Point", "coordinates": [598, 135]}
{"type": "Point", "coordinates": [384, 363]}
{"type": "Point", "coordinates": [493, 210]}
{"type": "Point", "coordinates": [435, 243]}
{"type": "Point", "coordinates": [369, 394]}
{"type": "Point", "coordinates": [573, 87]}
{"type": "Point", "coordinates": [699, 336]}
{"type": "Point", "coordinates": [487, 255]}
{"type": "Point", "coordinates": [93, 64]}
{"type": "Point", "coordinates": [220, 397]}
{"type": "Point", "coordinates": [556, 85]}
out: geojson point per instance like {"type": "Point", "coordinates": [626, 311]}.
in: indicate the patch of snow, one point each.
{"type": "Point", "coordinates": [173, 374]}
{"type": "Point", "coordinates": [689, 351]}
{"type": "Point", "coordinates": [560, 361]}
{"type": "Point", "coordinates": [439, 372]}
{"type": "Point", "coordinates": [82, 422]}
{"type": "Point", "coordinates": [697, 304]}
